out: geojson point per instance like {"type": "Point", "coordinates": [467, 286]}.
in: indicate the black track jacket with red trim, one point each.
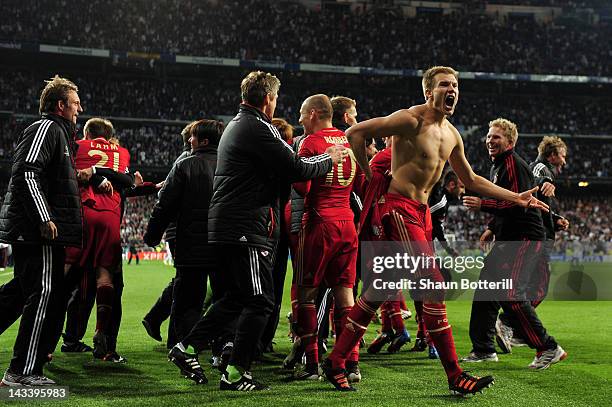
{"type": "Point", "coordinates": [513, 222]}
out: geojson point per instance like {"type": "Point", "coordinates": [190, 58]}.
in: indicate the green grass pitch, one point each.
{"type": "Point", "coordinates": [583, 328]}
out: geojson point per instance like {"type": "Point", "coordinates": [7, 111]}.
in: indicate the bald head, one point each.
{"type": "Point", "coordinates": [321, 104]}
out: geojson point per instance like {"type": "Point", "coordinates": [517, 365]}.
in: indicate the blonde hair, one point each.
{"type": "Point", "coordinates": [99, 127]}
{"type": "Point", "coordinates": [56, 89]}
{"type": "Point", "coordinates": [550, 145]}
{"type": "Point", "coordinates": [509, 128]}
{"type": "Point", "coordinates": [430, 75]}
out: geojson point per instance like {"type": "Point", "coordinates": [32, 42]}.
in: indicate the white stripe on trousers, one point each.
{"type": "Point", "coordinates": [47, 264]}
{"type": "Point", "coordinates": [255, 278]}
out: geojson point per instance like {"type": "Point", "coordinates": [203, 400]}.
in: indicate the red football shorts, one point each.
{"type": "Point", "coordinates": [101, 240]}
{"type": "Point", "coordinates": [409, 221]}
{"type": "Point", "coordinates": [327, 252]}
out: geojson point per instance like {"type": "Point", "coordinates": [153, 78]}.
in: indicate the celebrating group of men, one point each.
{"type": "Point", "coordinates": [232, 198]}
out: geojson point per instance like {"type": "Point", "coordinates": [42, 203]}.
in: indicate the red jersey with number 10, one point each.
{"type": "Point", "coordinates": [328, 196]}
{"type": "Point", "coordinates": [101, 153]}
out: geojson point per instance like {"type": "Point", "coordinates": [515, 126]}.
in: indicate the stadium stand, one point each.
{"type": "Point", "coordinates": [517, 44]}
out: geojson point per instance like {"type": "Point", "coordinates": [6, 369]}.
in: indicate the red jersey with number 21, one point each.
{"type": "Point", "coordinates": [101, 153]}
{"type": "Point", "coordinates": [328, 197]}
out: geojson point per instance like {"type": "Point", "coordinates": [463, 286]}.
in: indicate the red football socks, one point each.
{"type": "Point", "coordinates": [355, 326]}
{"type": "Point", "coordinates": [307, 323]}
{"type": "Point", "coordinates": [436, 322]}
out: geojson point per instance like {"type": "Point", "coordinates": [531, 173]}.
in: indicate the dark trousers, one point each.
{"type": "Point", "coordinates": [133, 253]}
{"type": "Point", "coordinates": [540, 281]}
{"type": "Point", "coordinates": [114, 324]}
{"type": "Point", "coordinates": [482, 325]}
{"type": "Point", "coordinates": [189, 291]}
{"type": "Point", "coordinates": [80, 303]}
{"type": "Point", "coordinates": [39, 270]}
{"type": "Point", "coordinates": [278, 274]}
{"type": "Point", "coordinates": [519, 260]}
{"type": "Point", "coordinates": [160, 311]}
{"type": "Point", "coordinates": [226, 332]}
{"type": "Point", "coordinates": [11, 303]}
{"type": "Point", "coordinates": [248, 300]}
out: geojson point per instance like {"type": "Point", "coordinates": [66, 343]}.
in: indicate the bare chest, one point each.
{"type": "Point", "coordinates": [432, 144]}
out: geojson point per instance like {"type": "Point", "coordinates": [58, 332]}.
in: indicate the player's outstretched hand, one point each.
{"type": "Point", "coordinates": [337, 153]}
{"type": "Point", "coordinates": [528, 200]}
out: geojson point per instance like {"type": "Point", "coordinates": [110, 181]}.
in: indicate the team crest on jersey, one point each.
{"type": "Point", "coordinates": [66, 151]}
{"type": "Point", "coordinates": [377, 230]}
{"type": "Point", "coordinates": [265, 253]}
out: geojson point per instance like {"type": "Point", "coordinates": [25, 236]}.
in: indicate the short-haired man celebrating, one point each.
{"type": "Point", "coordinates": [423, 140]}
{"type": "Point", "coordinates": [41, 214]}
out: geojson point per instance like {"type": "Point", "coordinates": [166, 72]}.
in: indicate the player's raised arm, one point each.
{"type": "Point", "coordinates": [485, 187]}
{"type": "Point", "coordinates": [402, 122]}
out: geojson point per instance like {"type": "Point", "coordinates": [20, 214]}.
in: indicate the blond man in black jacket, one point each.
{"type": "Point", "coordinates": [41, 215]}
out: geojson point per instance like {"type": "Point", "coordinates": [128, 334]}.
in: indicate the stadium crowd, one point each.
{"type": "Point", "coordinates": [156, 145]}
{"type": "Point", "coordinates": [172, 98]}
{"type": "Point", "coordinates": [137, 213]}
{"type": "Point", "coordinates": [202, 28]}
{"type": "Point", "coordinates": [590, 217]}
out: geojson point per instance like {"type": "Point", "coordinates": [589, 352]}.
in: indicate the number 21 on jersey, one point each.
{"type": "Point", "coordinates": [104, 159]}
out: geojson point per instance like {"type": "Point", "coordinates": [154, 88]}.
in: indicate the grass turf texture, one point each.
{"type": "Point", "coordinates": [583, 328]}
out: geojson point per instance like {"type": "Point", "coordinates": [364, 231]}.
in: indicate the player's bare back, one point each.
{"type": "Point", "coordinates": [420, 153]}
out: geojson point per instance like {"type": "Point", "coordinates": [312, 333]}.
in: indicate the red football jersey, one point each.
{"type": "Point", "coordinates": [381, 161]}
{"type": "Point", "coordinates": [328, 197]}
{"type": "Point", "coordinates": [100, 153]}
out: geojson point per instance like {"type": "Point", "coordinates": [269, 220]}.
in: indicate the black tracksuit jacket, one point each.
{"type": "Point", "coordinates": [254, 168]}
{"type": "Point", "coordinates": [513, 222]}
